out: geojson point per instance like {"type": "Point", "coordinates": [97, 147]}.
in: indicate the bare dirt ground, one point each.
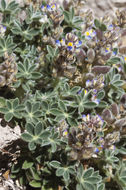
{"type": "Point", "coordinates": [101, 7]}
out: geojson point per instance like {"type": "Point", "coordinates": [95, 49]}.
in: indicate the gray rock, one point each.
{"type": "Point", "coordinates": [8, 135]}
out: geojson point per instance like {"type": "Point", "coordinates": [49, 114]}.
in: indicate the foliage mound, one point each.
{"type": "Point", "coordinates": [63, 81]}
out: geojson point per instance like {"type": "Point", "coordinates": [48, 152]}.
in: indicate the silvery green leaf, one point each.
{"type": "Point", "coordinates": [55, 164]}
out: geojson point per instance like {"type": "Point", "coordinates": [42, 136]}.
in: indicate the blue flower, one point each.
{"type": "Point", "coordinates": [96, 150]}
{"type": "Point", "coordinates": [48, 7]}
{"type": "Point", "coordinates": [58, 43]}
{"type": "Point", "coordinates": [114, 53]}
{"type": "Point", "coordinates": [2, 29]}
{"type": "Point", "coordinates": [62, 41]}
{"type": "Point", "coordinates": [83, 116]}
{"type": "Point", "coordinates": [78, 44]}
{"type": "Point", "coordinates": [70, 46]}
{"type": "Point", "coordinates": [53, 7]}
{"type": "Point", "coordinates": [79, 92]}
{"type": "Point", "coordinates": [90, 34]}
{"type": "Point", "coordinates": [110, 27]}
{"type": "Point", "coordinates": [43, 7]}
{"type": "Point", "coordinates": [88, 83]}
{"type": "Point", "coordinates": [94, 91]}
{"type": "Point", "coordinates": [107, 50]}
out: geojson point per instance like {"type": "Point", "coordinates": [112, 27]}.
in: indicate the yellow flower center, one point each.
{"type": "Point", "coordinates": [70, 44]}
{"type": "Point", "coordinates": [87, 33]}
{"type": "Point", "coordinates": [85, 91]}
{"type": "Point", "coordinates": [108, 48]}
{"type": "Point", "coordinates": [53, 6]}
{"type": "Point", "coordinates": [65, 133]}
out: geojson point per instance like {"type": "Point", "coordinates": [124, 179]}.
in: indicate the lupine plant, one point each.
{"type": "Point", "coordinates": [63, 81]}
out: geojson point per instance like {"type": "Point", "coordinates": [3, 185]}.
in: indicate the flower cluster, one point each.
{"type": "Point", "coordinates": [68, 49]}
{"type": "Point", "coordinates": [90, 34]}
{"type": "Point", "coordinates": [100, 43]}
{"type": "Point", "coordinates": [63, 128]}
{"type": "Point", "coordinates": [94, 97]}
{"type": "Point", "coordinates": [8, 70]}
{"type": "Point", "coordinates": [120, 19]}
{"type": "Point", "coordinates": [84, 139]}
{"type": "Point", "coordinates": [96, 83]}
{"type": "Point", "coordinates": [48, 8]}
{"type": "Point", "coordinates": [88, 139]}
{"type": "Point", "coordinates": [52, 11]}
{"type": "Point", "coordinates": [70, 43]}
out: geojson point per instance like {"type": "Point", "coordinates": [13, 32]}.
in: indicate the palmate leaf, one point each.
{"type": "Point", "coordinates": [31, 146]}
{"type": "Point", "coordinates": [36, 75]}
{"type": "Point", "coordinates": [3, 4]}
{"type": "Point", "coordinates": [56, 112]}
{"type": "Point", "coordinates": [30, 128]}
{"type": "Point", "coordinates": [4, 110]}
{"type": "Point", "coordinates": [9, 8]}
{"type": "Point", "coordinates": [15, 103]}
{"type": "Point", "coordinates": [79, 187]}
{"type": "Point", "coordinates": [2, 102]}
{"type": "Point", "coordinates": [16, 29]}
{"type": "Point", "coordinates": [27, 137]}
{"type": "Point", "coordinates": [88, 186]}
{"type": "Point", "coordinates": [35, 107]}
{"type": "Point", "coordinates": [51, 50]}
{"type": "Point", "coordinates": [38, 129]}
{"type": "Point", "coordinates": [17, 115]}
{"type": "Point", "coordinates": [97, 23]}
{"type": "Point", "coordinates": [27, 164]}
{"type": "Point", "coordinates": [90, 105]}
{"type": "Point", "coordinates": [88, 179]}
{"type": "Point", "coordinates": [28, 106]}
{"type": "Point", "coordinates": [55, 164]}
{"type": "Point", "coordinates": [88, 173]}
{"type": "Point", "coordinates": [6, 45]}
{"type": "Point", "coordinates": [92, 180]}
{"type": "Point", "coordinates": [101, 94]}
{"type": "Point", "coordinates": [8, 116]}
{"type": "Point", "coordinates": [62, 106]}
{"type": "Point", "coordinates": [101, 187]}
{"type": "Point", "coordinates": [35, 183]}
{"type": "Point", "coordinates": [67, 16]}
{"type": "Point", "coordinates": [9, 104]}
{"type": "Point", "coordinates": [35, 174]}
{"type": "Point", "coordinates": [66, 175]}
{"type": "Point", "coordinates": [12, 6]}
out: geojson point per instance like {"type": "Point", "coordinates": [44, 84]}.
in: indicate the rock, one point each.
{"type": "Point", "coordinates": [101, 7]}
{"type": "Point", "coordinates": [8, 135]}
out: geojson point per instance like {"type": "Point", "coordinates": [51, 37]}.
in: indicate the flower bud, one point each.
{"type": "Point", "coordinates": [107, 116]}
{"type": "Point", "coordinates": [123, 99]}
{"type": "Point", "coordinates": [71, 37]}
{"type": "Point", "coordinates": [101, 69]}
{"type": "Point", "coordinates": [120, 123]}
{"type": "Point", "coordinates": [90, 55]}
{"type": "Point", "coordinates": [2, 81]}
{"type": "Point", "coordinates": [115, 109]}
